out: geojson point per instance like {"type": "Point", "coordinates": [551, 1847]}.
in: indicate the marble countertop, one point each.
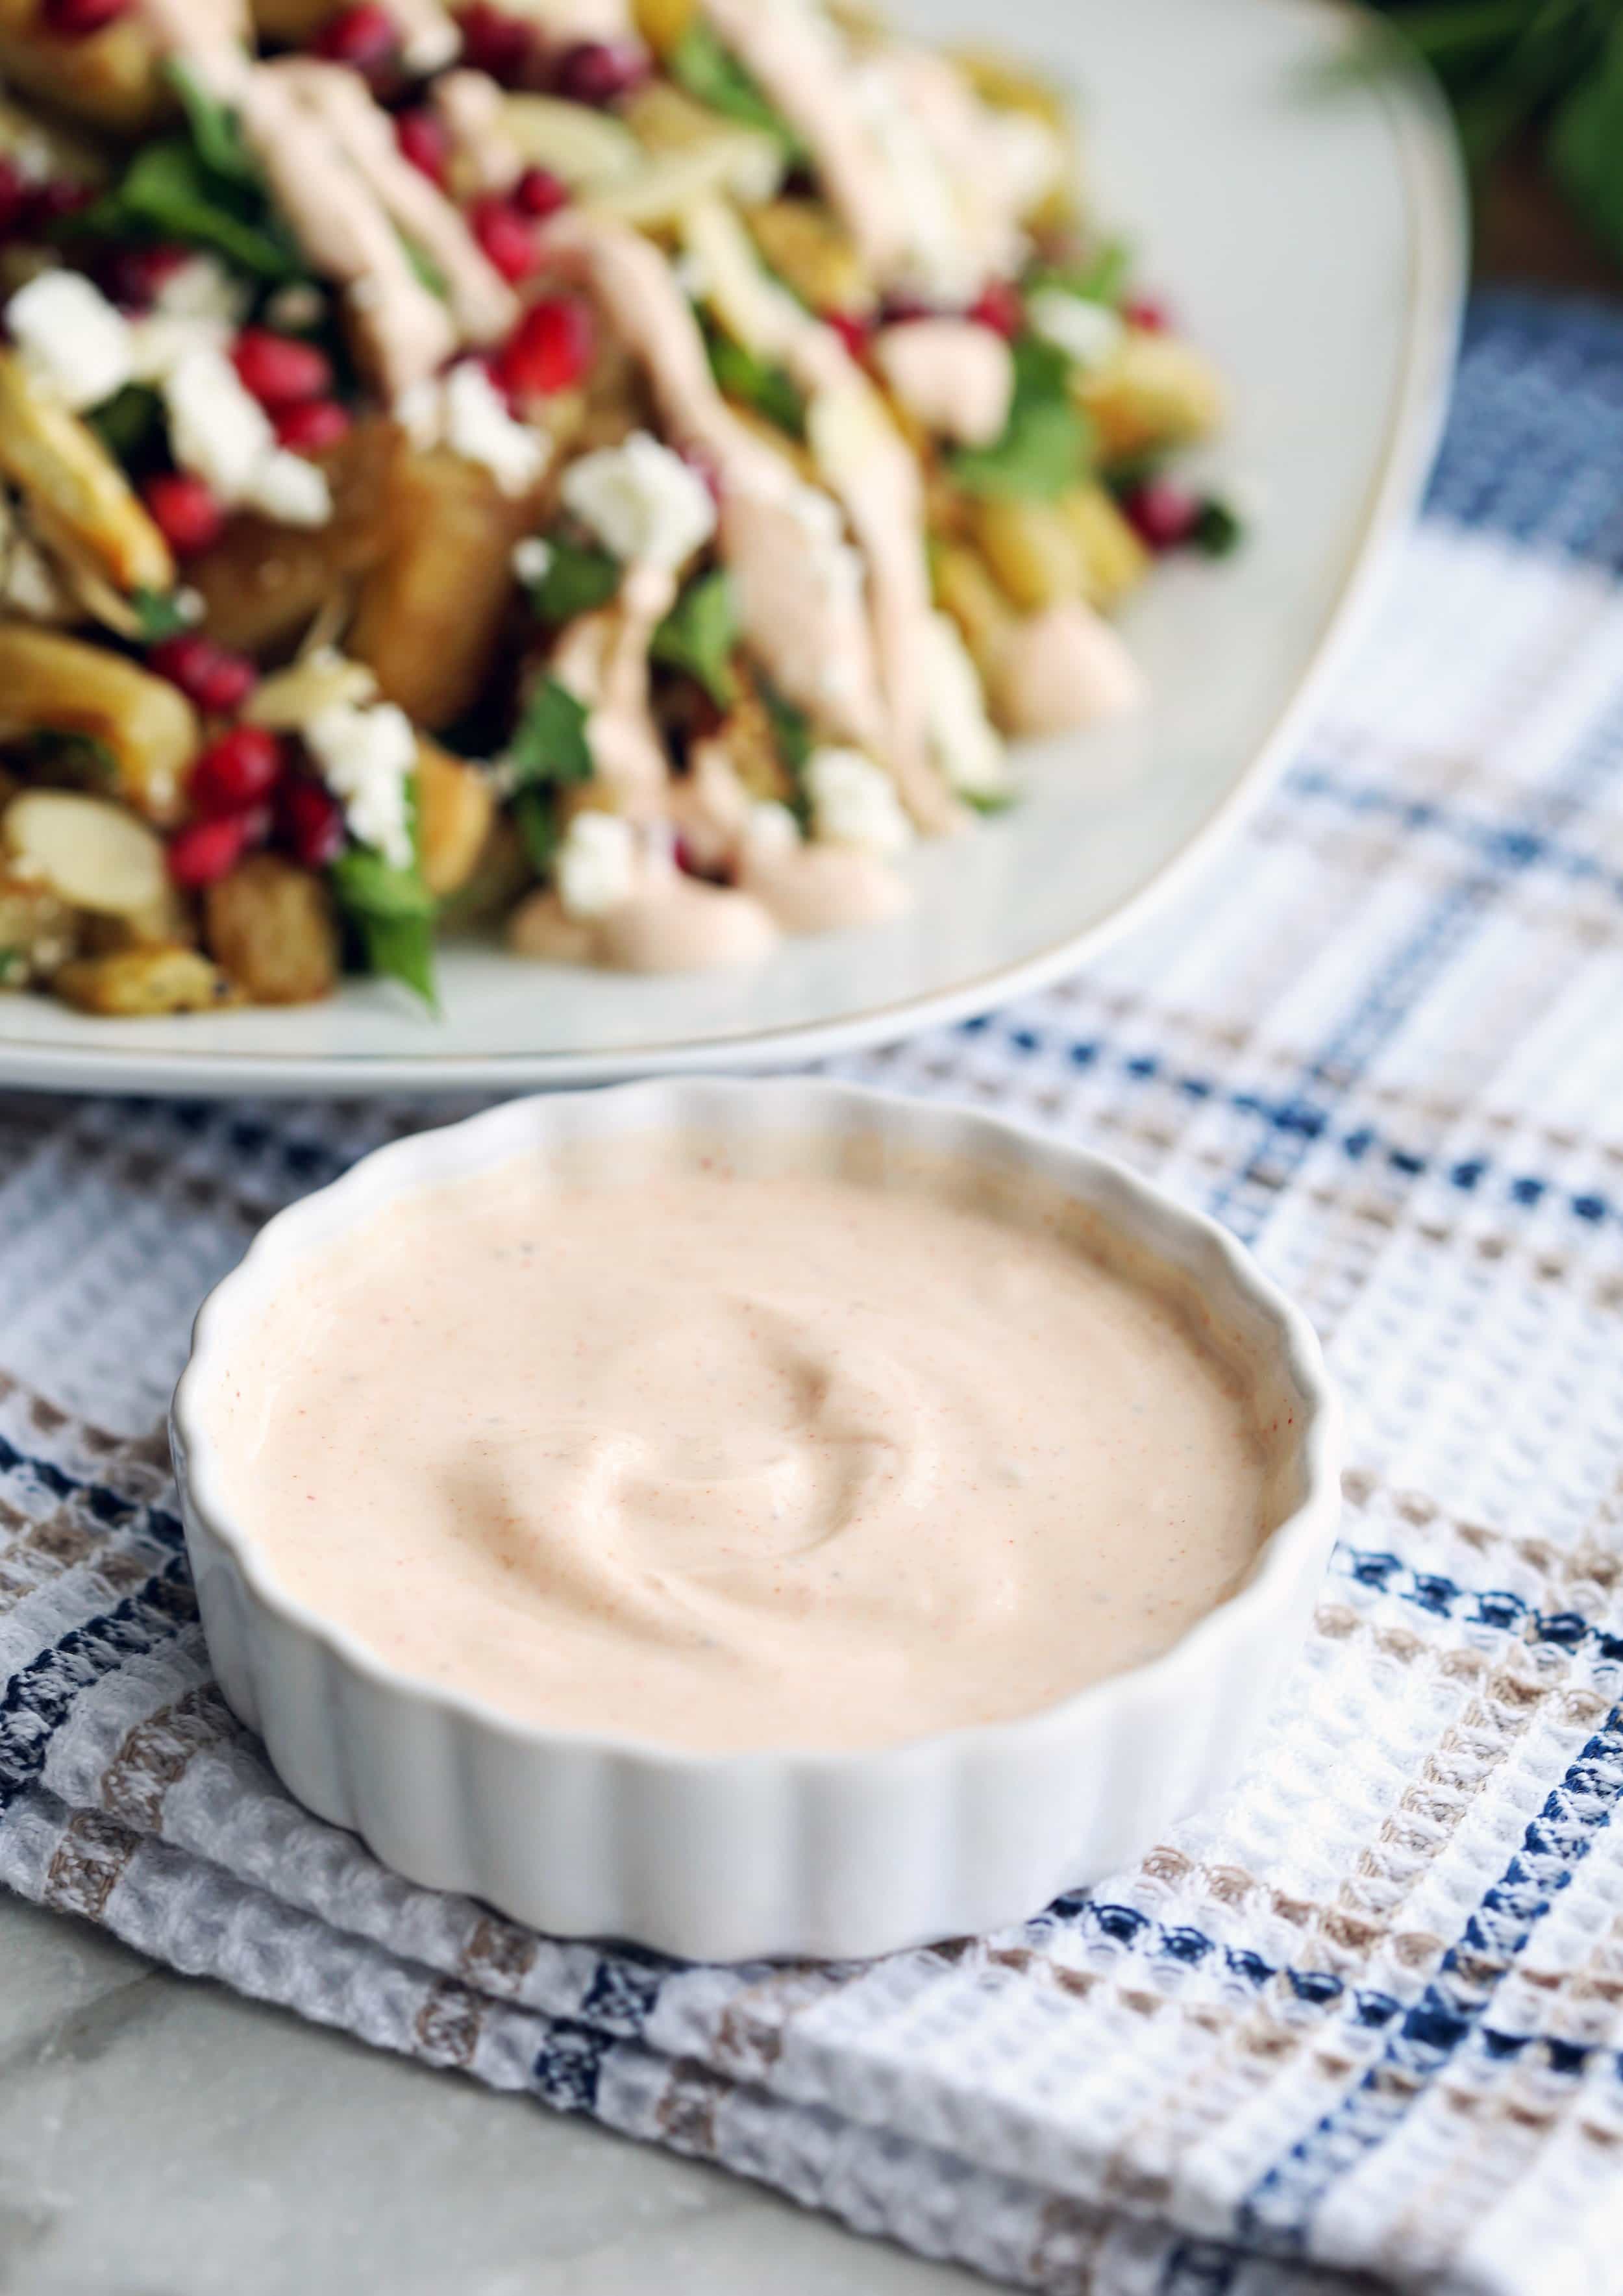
{"type": "Point", "coordinates": [161, 2137]}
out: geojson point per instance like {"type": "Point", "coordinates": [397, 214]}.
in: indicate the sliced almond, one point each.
{"type": "Point", "coordinates": [91, 854]}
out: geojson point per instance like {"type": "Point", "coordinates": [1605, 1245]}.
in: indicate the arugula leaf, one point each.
{"type": "Point", "coordinates": [215, 133]}
{"type": "Point", "coordinates": [78, 757]}
{"type": "Point", "coordinates": [392, 911]}
{"type": "Point", "coordinates": [160, 615]}
{"type": "Point", "coordinates": [1046, 442]}
{"type": "Point", "coordinates": [768, 388]}
{"type": "Point", "coordinates": [549, 744]}
{"type": "Point", "coordinates": [578, 579]}
{"type": "Point", "coordinates": [698, 633]}
{"type": "Point", "coordinates": [711, 75]}
{"type": "Point", "coordinates": [128, 421]}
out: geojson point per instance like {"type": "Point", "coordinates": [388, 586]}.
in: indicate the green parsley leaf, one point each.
{"type": "Point", "coordinates": [698, 633]}
{"type": "Point", "coordinates": [793, 734]}
{"type": "Point", "coordinates": [1586, 143]}
{"type": "Point", "coordinates": [535, 811]}
{"type": "Point", "coordinates": [549, 742]}
{"type": "Point", "coordinates": [426, 271]}
{"type": "Point", "coordinates": [392, 912]}
{"type": "Point", "coordinates": [1047, 441]}
{"type": "Point", "coordinates": [577, 581]}
{"type": "Point", "coordinates": [72, 756]}
{"type": "Point", "coordinates": [755, 381]}
{"type": "Point", "coordinates": [215, 133]}
{"type": "Point", "coordinates": [160, 614]}
{"type": "Point", "coordinates": [1101, 279]}
{"type": "Point", "coordinates": [167, 190]}
{"type": "Point", "coordinates": [1217, 530]}
{"type": "Point", "coordinates": [712, 76]}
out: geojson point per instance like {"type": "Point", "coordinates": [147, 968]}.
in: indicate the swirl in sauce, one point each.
{"type": "Point", "coordinates": [724, 1459]}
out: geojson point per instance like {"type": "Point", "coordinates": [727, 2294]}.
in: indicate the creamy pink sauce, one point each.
{"type": "Point", "coordinates": [726, 1459]}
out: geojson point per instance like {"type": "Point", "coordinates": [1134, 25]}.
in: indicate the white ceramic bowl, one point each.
{"type": "Point", "coordinates": [779, 1852]}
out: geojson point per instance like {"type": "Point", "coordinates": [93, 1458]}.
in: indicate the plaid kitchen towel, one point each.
{"type": "Point", "coordinates": [1367, 2014]}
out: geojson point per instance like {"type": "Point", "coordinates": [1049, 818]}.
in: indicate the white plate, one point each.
{"type": "Point", "coordinates": [1313, 243]}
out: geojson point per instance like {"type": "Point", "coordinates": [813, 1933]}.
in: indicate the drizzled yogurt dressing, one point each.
{"type": "Point", "coordinates": [721, 1459]}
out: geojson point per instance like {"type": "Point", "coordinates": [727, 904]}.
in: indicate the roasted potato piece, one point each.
{"type": "Point", "coordinates": [110, 77]}
{"type": "Point", "coordinates": [270, 926]}
{"type": "Point", "coordinates": [57, 685]}
{"type": "Point", "coordinates": [74, 489]}
{"type": "Point", "coordinates": [964, 589]}
{"type": "Point", "coordinates": [292, 20]}
{"type": "Point", "coordinates": [261, 584]}
{"type": "Point", "coordinates": [37, 931]}
{"type": "Point", "coordinates": [501, 872]}
{"type": "Point", "coordinates": [1114, 560]}
{"type": "Point", "coordinates": [663, 22]}
{"type": "Point", "coordinates": [456, 807]}
{"type": "Point", "coordinates": [1032, 550]}
{"type": "Point", "coordinates": [1155, 391]}
{"type": "Point", "coordinates": [804, 245]}
{"type": "Point", "coordinates": [139, 982]}
{"type": "Point", "coordinates": [430, 615]}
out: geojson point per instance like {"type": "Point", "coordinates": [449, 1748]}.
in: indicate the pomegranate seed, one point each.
{"type": "Point", "coordinates": [216, 680]}
{"type": "Point", "coordinates": [999, 307]}
{"type": "Point", "coordinates": [1144, 311]}
{"type": "Point", "coordinates": [207, 850]}
{"type": "Point", "coordinates": [507, 238]}
{"type": "Point", "coordinates": [280, 371]}
{"type": "Point", "coordinates": [184, 511]}
{"type": "Point", "coordinates": [1161, 513]}
{"type": "Point", "coordinates": [13, 197]}
{"type": "Point", "coordinates": [423, 140]}
{"type": "Point", "coordinates": [496, 43]}
{"type": "Point", "coordinates": [309, 821]}
{"type": "Point", "coordinates": [550, 350]}
{"type": "Point", "coordinates": [78, 20]}
{"type": "Point", "coordinates": [239, 769]}
{"type": "Point", "coordinates": [51, 203]}
{"type": "Point", "coordinates": [600, 72]}
{"type": "Point", "coordinates": [313, 427]}
{"type": "Point", "coordinates": [365, 38]}
{"type": "Point", "coordinates": [133, 276]}
{"type": "Point", "coordinates": [539, 193]}
{"type": "Point", "coordinates": [852, 330]}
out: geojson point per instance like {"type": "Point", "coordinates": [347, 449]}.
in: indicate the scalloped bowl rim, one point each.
{"type": "Point", "coordinates": [425, 1159]}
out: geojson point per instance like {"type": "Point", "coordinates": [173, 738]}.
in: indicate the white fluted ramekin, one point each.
{"type": "Point", "coordinates": [778, 1852]}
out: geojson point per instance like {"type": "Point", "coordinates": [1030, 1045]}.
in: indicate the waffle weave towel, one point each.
{"type": "Point", "coordinates": [1364, 2015]}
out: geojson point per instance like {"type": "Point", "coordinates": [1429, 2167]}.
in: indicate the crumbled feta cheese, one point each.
{"type": "Point", "coordinates": [75, 344]}
{"type": "Point", "coordinates": [853, 802]}
{"type": "Point", "coordinates": [162, 339]}
{"type": "Point", "coordinates": [291, 489]}
{"type": "Point", "coordinates": [420, 410]}
{"type": "Point", "coordinates": [965, 744]}
{"type": "Point", "coordinates": [595, 867]}
{"type": "Point", "coordinates": [478, 427]}
{"type": "Point", "coordinates": [642, 502]}
{"type": "Point", "coordinates": [367, 756]}
{"type": "Point", "coordinates": [429, 40]}
{"type": "Point", "coordinates": [940, 261]}
{"type": "Point", "coordinates": [770, 829]}
{"type": "Point", "coordinates": [201, 288]}
{"type": "Point", "coordinates": [219, 430]}
{"type": "Point", "coordinates": [531, 557]}
{"type": "Point", "coordinates": [1086, 332]}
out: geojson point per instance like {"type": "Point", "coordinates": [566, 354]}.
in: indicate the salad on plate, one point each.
{"type": "Point", "coordinates": [614, 475]}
